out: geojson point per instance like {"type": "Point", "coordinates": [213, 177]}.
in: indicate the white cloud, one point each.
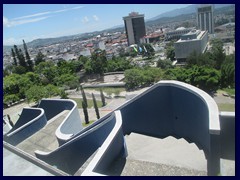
{"type": "Point", "coordinates": [31, 18]}
{"type": "Point", "coordinates": [85, 19]}
{"type": "Point", "coordinates": [5, 22]}
{"type": "Point", "coordinates": [48, 12]}
{"type": "Point", "coordinates": [77, 7]}
{"type": "Point", "coordinates": [9, 23]}
{"type": "Point", "coordinates": [32, 15]}
{"type": "Point", "coordinates": [95, 18]}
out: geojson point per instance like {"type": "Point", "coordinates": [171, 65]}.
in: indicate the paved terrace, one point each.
{"type": "Point", "coordinates": [45, 139]}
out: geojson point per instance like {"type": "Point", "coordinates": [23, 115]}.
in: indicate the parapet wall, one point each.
{"type": "Point", "coordinates": [71, 125]}
{"type": "Point", "coordinates": [227, 121]}
{"type": "Point", "coordinates": [30, 121]}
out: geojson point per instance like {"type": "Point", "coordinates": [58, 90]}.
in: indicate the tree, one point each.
{"type": "Point", "coordinates": [14, 57]}
{"type": "Point", "coordinates": [29, 61]}
{"type": "Point", "coordinates": [170, 53]}
{"type": "Point", "coordinates": [84, 96]}
{"type": "Point", "coordinates": [39, 58]}
{"type": "Point", "coordinates": [35, 93]}
{"type": "Point", "coordinates": [118, 64]}
{"type": "Point", "coordinates": [11, 84]}
{"type": "Point", "coordinates": [228, 72]}
{"type": "Point", "coordinates": [19, 70]}
{"type": "Point", "coordinates": [205, 78]}
{"type": "Point", "coordinates": [52, 90]}
{"type": "Point", "coordinates": [76, 65]}
{"type": "Point", "coordinates": [217, 53]}
{"type": "Point", "coordinates": [136, 78]}
{"type": "Point", "coordinates": [85, 111]}
{"type": "Point", "coordinates": [63, 94]}
{"type": "Point", "coordinates": [98, 61]}
{"type": "Point", "coordinates": [47, 71]}
{"type": "Point", "coordinates": [164, 64]}
{"type": "Point", "coordinates": [67, 80]}
{"type": "Point", "coordinates": [95, 106]}
{"type": "Point", "coordinates": [26, 51]}
{"type": "Point", "coordinates": [200, 59]}
{"type": "Point", "coordinates": [20, 56]}
{"type": "Point", "coordinates": [8, 99]}
{"type": "Point", "coordinates": [103, 98]}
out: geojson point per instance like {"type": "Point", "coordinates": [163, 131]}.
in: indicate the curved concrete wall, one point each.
{"type": "Point", "coordinates": [169, 108]}
{"type": "Point", "coordinates": [71, 125]}
{"type": "Point", "coordinates": [72, 155]}
{"type": "Point", "coordinates": [112, 148]}
{"type": "Point", "coordinates": [227, 121]}
{"type": "Point", "coordinates": [30, 121]}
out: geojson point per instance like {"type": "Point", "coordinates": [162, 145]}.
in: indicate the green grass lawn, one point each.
{"type": "Point", "coordinates": [226, 107]}
{"type": "Point", "coordinates": [110, 90]}
{"type": "Point", "coordinates": [230, 91]}
{"type": "Point", "coordinates": [90, 102]}
{"type": "Point", "coordinates": [90, 122]}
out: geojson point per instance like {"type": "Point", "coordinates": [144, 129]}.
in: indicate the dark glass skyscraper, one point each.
{"type": "Point", "coordinates": [205, 18]}
{"type": "Point", "coordinates": [134, 27]}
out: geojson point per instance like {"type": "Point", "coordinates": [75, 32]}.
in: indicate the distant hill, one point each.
{"type": "Point", "coordinates": [187, 10]}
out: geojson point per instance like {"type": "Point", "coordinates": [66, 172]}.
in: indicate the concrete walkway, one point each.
{"type": "Point", "coordinates": [45, 139]}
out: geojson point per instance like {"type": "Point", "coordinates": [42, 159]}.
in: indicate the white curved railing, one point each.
{"type": "Point", "coordinates": [89, 171]}
{"type": "Point", "coordinates": [28, 123]}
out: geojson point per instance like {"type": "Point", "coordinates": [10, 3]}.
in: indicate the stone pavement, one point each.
{"type": "Point", "coordinates": [144, 168]}
{"type": "Point", "coordinates": [45, 139]}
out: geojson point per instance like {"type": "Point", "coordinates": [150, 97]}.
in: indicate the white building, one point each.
{"type": "Point", "coordinates": [205, 18]}
{"type": "Point", "coordinates": [188, 43]}
{"type": "Point", "coordinates": [176, 34]}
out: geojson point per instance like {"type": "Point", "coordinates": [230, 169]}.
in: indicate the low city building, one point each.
{"type": "Point", "coordinates": [190, 42]}
{"type": "Point", "coordinates": [176, 34]}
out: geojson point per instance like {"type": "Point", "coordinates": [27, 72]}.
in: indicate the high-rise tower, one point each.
{"type": "Point", "coordinates": [205, 18]}
{"type": "Point", "coordinates": [134, 27]}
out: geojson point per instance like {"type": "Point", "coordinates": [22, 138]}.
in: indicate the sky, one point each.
{"type": "Point", "coordinates": [33, 21]}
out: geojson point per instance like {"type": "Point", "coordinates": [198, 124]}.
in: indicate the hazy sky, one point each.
{"type": "Point", "coordinates": [32, 21]}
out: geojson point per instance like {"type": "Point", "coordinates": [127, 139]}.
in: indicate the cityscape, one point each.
{"type": "Point", "coordinates": [66, 87]}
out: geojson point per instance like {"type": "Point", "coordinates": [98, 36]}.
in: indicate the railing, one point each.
{"type": "Point", "coordinates": [30, 121]}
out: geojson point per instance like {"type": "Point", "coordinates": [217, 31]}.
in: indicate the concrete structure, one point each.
{"type": "Point", "coordinates": [205, 19]}
{"type": "Point", "coordinates": [188, 43]}
{"type": "Point", "coordinates": [168, 108]}
{"type": "Point", "coordinates": [176, 34]}
{"type": "Point", "coordinates": [134, 27]}
{"type": "Point", "coordinates": [32, 120]}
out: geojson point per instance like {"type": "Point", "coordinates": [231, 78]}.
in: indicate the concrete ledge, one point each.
{"type": "Point", "coordinates": [26, 126]}
{"type": "Point", "coordinates": [227, 136]}
{"type": "Point", "coordinates": [107, 152]}
{"type": "Point", "coordinates": [214, 125]}
{"type": "Point", "coordinates": [71, 125]}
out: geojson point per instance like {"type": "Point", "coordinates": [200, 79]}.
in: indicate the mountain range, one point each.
{"type": "Point", "coordinates": [162, 17]}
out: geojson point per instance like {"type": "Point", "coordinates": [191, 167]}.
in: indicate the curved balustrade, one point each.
{"type": "Point", "coordinates": [71, 125]}
{"type": "Point", "coordinates": [30, 121]}
{"type": "Point", "coordinates": [168, 108]}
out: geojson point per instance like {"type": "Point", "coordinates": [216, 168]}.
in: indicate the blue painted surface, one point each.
{"type": "Point", "coordinates": [18, 134]}
{"type": "Point", "coordinates": [227, 137]}
{"type": "Point", "coordinates": [71, 156]}
{"type": "Point", "coordinates": [164, 110]}
{"type": "Point", "coordinates": [53, 107]}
